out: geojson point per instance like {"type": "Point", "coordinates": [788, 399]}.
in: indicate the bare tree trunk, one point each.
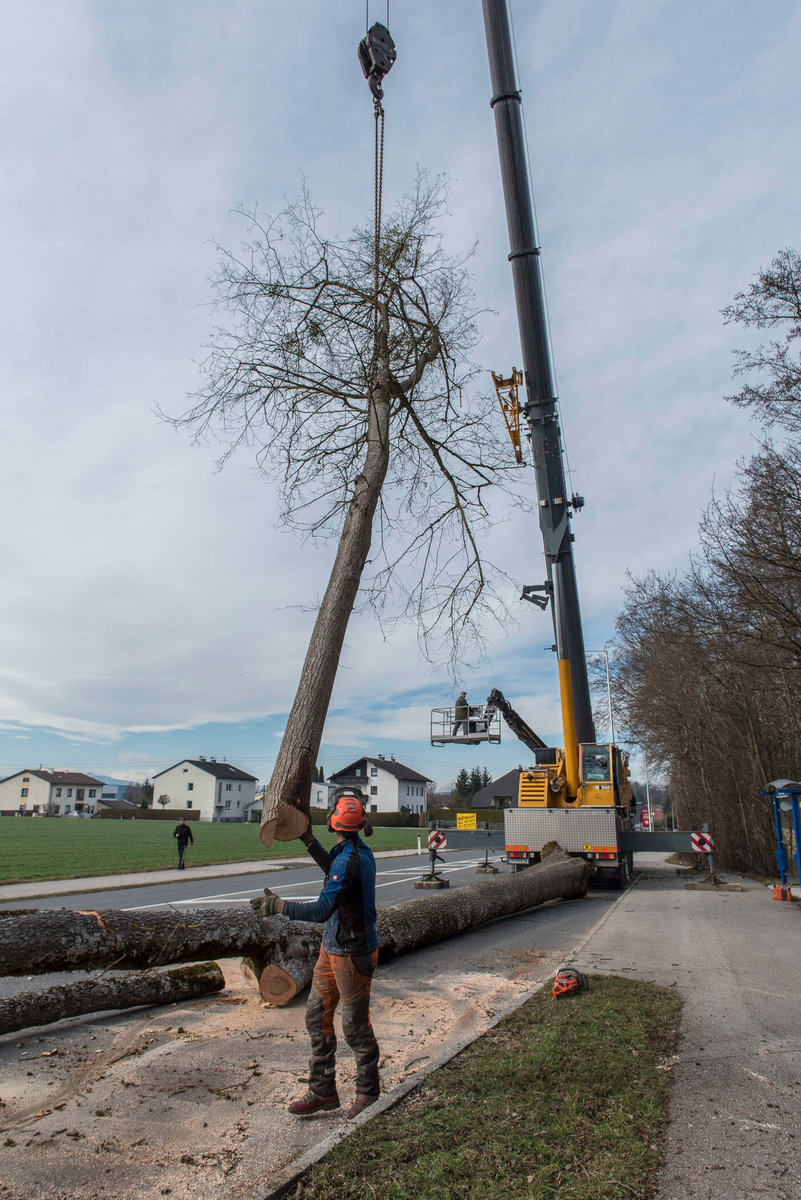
{"type": "Point", "coordinates": [112, 991]}
{"type": "Point", "coordinates": [286, 798]}
{"type": "Point", "coordinates": [33, 942]}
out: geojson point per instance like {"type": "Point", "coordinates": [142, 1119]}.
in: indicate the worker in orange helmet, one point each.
{"type": "Point", "coordinates": [348, 956]}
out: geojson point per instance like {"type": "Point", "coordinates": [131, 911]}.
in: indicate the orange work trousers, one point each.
{"type": "Point", "coordinates": [339, 977]}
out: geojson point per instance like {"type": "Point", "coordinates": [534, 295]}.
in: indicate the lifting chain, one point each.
{"type": "Point", "coordinates": [376, 56]}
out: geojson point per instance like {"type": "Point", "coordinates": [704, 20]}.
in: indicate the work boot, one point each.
{"type": "Point", "coordinates": [360, 1103]}
{"type": "Point", "coordinates": [310, 1104]}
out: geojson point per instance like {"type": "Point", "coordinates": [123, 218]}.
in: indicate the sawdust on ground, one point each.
{"type": "Point", "coordinates": [190, 1100]}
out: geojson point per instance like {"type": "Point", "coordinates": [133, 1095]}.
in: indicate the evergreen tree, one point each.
{"type": "Point", "coordinates": [475, 781]}
{"type": "Point", "coordinates": [462, 784]}
{"type": "Point", "coordinates": [486, 778]}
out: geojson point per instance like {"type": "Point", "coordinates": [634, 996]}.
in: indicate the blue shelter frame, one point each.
{"type": "Point", "coordinates": [784, 792]}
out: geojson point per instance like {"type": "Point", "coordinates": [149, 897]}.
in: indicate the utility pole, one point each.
{"type": "Point", "coordinates": [539, 407]}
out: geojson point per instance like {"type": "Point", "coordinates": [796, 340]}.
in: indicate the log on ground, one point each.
{"type": "Point", "coordinates": [418, 923]}
{"type": "Point", "coordinates": [109, 992]}
{"type": "Point", "coordinates": [33, 941]}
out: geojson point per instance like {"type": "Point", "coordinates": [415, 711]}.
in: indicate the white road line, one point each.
{"type": "Point", "coordinates": [408, 875]}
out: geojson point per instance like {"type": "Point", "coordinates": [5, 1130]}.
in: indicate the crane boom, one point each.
{"type": "Point", "coordinates": [540, 406]}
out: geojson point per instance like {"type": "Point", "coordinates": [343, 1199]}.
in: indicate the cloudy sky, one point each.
{"type": "Point", "coordinates": [151, 608]}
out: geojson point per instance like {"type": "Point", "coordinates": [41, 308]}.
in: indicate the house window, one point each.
{"type": "Point", "coordinates": [24, 792]}
{"type": "Point", "coordinates": [186, 770]}
{"type": "Point", "coordinates": [92, 792]}
{"type": "Point", "coordinates": [373, 791]}
{"type": "Point", "coordinates": [228, 806]}
{"type": "Point", "coordinates": [56, 809]}
{"type": "Point", "coordinates": [239, 787]}
{"type": "Point", "coordinates": [374, 771]}
{"type": "Point", "coordinates": [58, 791]}
{"type": "Point", "coordinates": [26, 779]}
{"type": "Point", "coordinates": [238, 803]}
{"type": "Point", "coordinates": [66, 809]}
{"type": "Point", "coordinates": [190, 787]}
{"type": "Point", "coordinates": [69, 791]}
{"type": "Point", "coordinates": [373, 808]}
{"type": "Point", "coordinates": [227, 787]}
{"type": "Point", "coordinates": [189, 804]}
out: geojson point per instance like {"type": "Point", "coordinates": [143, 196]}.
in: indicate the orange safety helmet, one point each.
{"type": "Point", "coordinates": [347, 815]}
{"type": "Point", "coordinates": [568, 982]}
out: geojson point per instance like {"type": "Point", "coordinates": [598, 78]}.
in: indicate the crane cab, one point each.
{"type": "Point", "coordinates": [603, 780]}
{"type": "Point", "coordinates": [483, 724]}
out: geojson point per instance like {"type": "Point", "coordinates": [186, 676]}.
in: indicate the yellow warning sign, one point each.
{"type": "Point", "coordinates": [586, 847]}
{"type": "Point", "coordinates": [466, 821]}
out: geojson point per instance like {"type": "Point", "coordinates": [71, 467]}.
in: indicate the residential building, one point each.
{"type": "Point", "coordinates": [55, 793]}
{"type": "Point", "coordinates": [388, 785]}
{"type": "Point", "coordinates": [501, 793]}
{"type": "Point", "coordinates": [218, 790]}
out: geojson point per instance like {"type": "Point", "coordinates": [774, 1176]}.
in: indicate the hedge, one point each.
{"type": "Point", "coordinates": [150, 814]}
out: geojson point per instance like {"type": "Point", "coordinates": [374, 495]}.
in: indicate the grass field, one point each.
{"type": "Point", "coordinates": [563, 1100]}
{"type": "Point", "coordinates": [49, 848]}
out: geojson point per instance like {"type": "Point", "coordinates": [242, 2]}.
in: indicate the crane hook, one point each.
{"type": "Point", "coordinates": [377, 53]}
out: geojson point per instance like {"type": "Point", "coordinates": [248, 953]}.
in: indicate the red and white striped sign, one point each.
{"type": "Point", "coordinates": [437, 840]}
{"type": "Point", "coordinates": [702, 843]}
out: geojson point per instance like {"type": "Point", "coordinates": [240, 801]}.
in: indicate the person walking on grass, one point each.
{"type": "Point", "coordinates": [348, 956]}
{"type": "Point", "coordinates": [184, 835]}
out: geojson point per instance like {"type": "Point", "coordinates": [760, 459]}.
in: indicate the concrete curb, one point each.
{"type": "Point", "coordinates": [295, 1170]}
{"type": "Point", "coordinates": [39, 888]}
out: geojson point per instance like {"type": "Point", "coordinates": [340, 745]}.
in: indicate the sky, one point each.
{"type": "Point", "coordinates": [152, 607]}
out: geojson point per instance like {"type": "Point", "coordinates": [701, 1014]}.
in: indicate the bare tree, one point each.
{"type": "Point", "coordinates": [361, 406]}
{"type": "Point", "coordinates": [773, 301]}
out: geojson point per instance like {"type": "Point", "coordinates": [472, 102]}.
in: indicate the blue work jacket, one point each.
{"type": "Point", "coordinates": [347, 901]}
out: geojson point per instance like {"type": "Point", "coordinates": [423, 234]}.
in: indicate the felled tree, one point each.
{"type": "Point", "coordinates": [358, 403]}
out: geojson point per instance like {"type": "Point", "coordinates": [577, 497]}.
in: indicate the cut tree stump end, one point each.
{"type": "Point", "coordinates": [277, 986]}
{"type": "Point", "coordinates": [432, 883]}
{"type": "Point", "coordinates": [486, 870]}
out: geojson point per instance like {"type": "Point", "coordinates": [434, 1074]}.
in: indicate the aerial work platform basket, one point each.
{"type": "Point", "coordinates": [483, 724]}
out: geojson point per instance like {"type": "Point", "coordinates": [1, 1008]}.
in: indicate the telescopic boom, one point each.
{"type": "Point", "coordinates": [539, 407]}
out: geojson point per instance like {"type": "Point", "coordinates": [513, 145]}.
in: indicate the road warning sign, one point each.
{"type": "Point", "coordinates": [437, 840]}
{"type": "Point", "coordinates": [702, 843]}
{"type": "Point", "coordinates": [466, 821]}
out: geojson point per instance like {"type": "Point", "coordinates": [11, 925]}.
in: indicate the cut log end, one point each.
{"type": "Point", "coordinates": [277, 986]}
{"type": "Point", "coordinates": [285, 826]}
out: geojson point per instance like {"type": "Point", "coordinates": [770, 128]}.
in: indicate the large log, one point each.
{"type": "Point", "coordinates": [111, 991]}
{"type": "Point", "coordinates": [33, 941]}
{"type": "Point", "coordinates": [418, 923]}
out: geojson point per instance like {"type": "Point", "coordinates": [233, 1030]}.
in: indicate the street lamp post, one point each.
{"type": "Point", "coordinates": [605, 654]}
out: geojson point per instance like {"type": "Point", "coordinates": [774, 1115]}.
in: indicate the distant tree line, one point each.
{"type": "Point", "coordinates": [708, 660]}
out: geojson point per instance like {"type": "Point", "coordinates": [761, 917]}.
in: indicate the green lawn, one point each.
{"type": "Point", "coordinates": [51, 848]}
{"type": "Point", "coordinates": [563, 1100]}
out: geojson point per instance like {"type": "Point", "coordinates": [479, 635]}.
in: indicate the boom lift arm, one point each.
{"type": "Point", "coordinates": [540, 407]}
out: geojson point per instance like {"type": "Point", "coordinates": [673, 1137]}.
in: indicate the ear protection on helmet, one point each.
{"type": "Point", "coordinates": [347, 814]}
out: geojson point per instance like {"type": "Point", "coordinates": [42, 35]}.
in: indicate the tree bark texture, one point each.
{"type": "Point", "coordinates": [290, 783]}
{"type": "Point", "coordinates": [112, 991]}
{"type": "Point", "coordinates": [33, 942]}
{"type": "Point", "coordinates": [36, 942]}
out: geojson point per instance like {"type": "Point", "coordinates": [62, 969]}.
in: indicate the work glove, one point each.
{"type": "Point", "coordinates": [272, 905]}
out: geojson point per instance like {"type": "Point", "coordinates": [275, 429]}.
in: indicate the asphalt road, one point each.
{"type": "Point", "coordinates": [394, 883]}
{"type": "Point", "coordinates": [558, 925]}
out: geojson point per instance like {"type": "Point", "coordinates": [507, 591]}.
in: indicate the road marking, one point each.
{"type": "Point", "coordinates": [410, 874]}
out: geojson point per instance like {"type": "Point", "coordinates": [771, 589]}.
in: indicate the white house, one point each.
{"type": "Point", "coordinates": [388, 785]}
{"type": "Point", "coordinates": [219, 790]}
{"type": "Point", "coordinates": [57, 793]}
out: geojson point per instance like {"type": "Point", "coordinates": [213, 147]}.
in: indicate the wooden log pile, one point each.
{"type": "Point", "coordinates": [279, 954]}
